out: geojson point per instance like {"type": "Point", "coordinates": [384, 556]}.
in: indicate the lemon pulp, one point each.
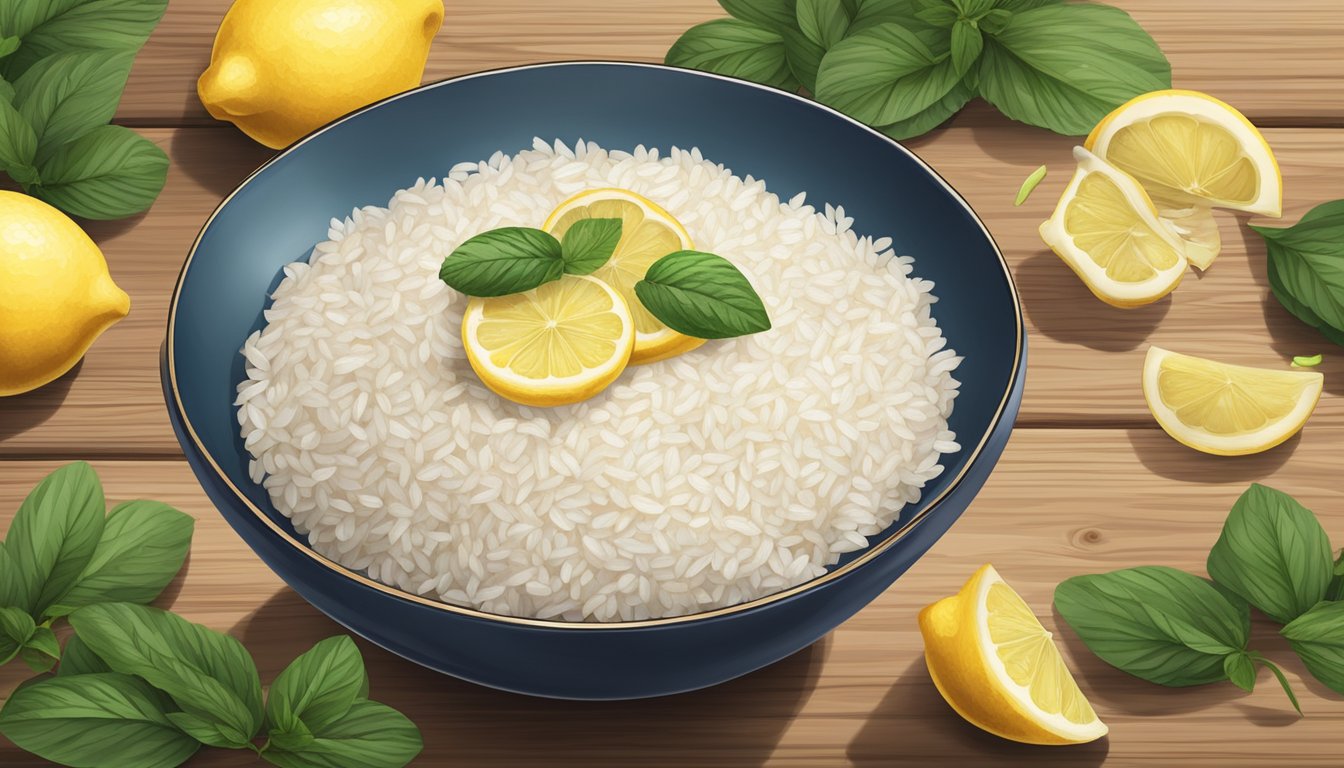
{"type": "Point", "coordinates": [1030, 658]}
{"type": "Point", "coordinates": [1105, 226]}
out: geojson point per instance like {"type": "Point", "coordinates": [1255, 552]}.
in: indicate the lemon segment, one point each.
{"type": "Point", "coordinates": [1107, 230]}
{"type": "Point", "coordinates": [56, 296]}
{"type": "Point", "coordinates": [648, 233]}
{"type": "Point", "coordinates": [1227, 410]}
{"type": "Point", "coordinates": [1189, 146]}
{"type": "Point", "coordinates": [560, 343]}
{"type": "Point", "coordinates": [995, 664]}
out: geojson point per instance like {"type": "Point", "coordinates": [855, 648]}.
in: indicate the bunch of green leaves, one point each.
{"type": "Point", "coordinates": [63, 67]}
{"type": "Point", "coordinates": [1176, 629]}
{"type": "Point", "coordinates": [694, 293]}
{"type": "Point", "coordinates": [1305, 263]}
{"type": "Point", "coordinates": [906, 66]}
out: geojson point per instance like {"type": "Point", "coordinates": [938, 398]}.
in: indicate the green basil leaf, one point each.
{"type": "Point", "coordinates": [18, 142]}
{"type": "Point", "coordinates": [1295, 307]}
{"type": "Point", "coordinates": [935, 115]}
{"type": "Point", "coordinates": [938, 15]}
{"type": "Point", "coordinates": [993, 22]}
{"type": "Point", "coordinates": [49, 27]}
{"type": "Point", "coordinates": [78, 659]}
{"type": "Point", "coordinates": [1240, 670]}
{"type": "Point", "coordinates": [209, 731]}
{"type": "Point", "coordinates": [1156, 623]}
{"type": "Point", "coordinates": [774, 15]}
{"type": "Point", "coordinates": [884, 75]}
{"type": "Point", "coordinates": [588, 244]}
{"type": "Point", "coordinates": [824, 22]}
{"type": "Point", "coordinates": [42, 650]}
{"type": "Point", "coordinates": [55, 533]}
{"type": "Point", "coordinates": [1321, 230]}
{"type": "Point", "coordinates": [973, 8]}
{"type": "Point", "coordinates": [208, 674]}
{"type": "Point", "coordinates": [803, 57]}
{"type": "Point", "coordinates": [503, 261]}
{"type": "Point", "coordinates": [1273, 553]}
{"type": "Point", "coordinates": [736, 49]}
{"type": "Point", "coordinates": [702, 295]}
{"type": "Point", "coordinates": [1308, 261]}
{"type": "Point", "coordinates": [95, 721]}
{"type": "Point", "coordinates": [318, 688]}
{"type": "Point", "coordinates": [12, 589]}
{"type": "Point", "coordinates": [8, 45]}
{"type": "Point", "coordinates": [294, 739]}
{"type": "Point", "coordinates": [16, 626]}
{"type": "Point", "coordinates": [6, 91]}
{"type": "Point", "coordinates": [967, 43]}
{"type": "Point", "coordinates": [370, 735]}
{"type": "Point", "coordinates": [1065, 66]}
{"type": "Point", "coordinates": [871, 13]}
{"type": "Point", "coordinates": [1013, 6]}
{"type": "Point", "coordinates": [1317, 637]}
{"type": "Point", "coordinates": [109, 173]}
{"type": "Point", "coordinates": [1336, 589]}
{"type": "Point", "coordinates": [67, 95]}
{"type": "Point", "coordinates": [143, 546]}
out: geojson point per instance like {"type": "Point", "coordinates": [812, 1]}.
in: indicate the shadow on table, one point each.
{"type": "Point", "coordinates": [1168, 458]}
{"type": "Point", "coordinates": [741, 721]}
{"type": "Point", "coordinates": [913, 713]}
{"type": "Point", "coordinates": [217, 157]}
{"type": "Point", "coordinates": [20, 413]}
{"type": "Point", "coordinates": [1052, 297]}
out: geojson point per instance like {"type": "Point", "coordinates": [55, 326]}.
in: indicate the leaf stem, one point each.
{"type": "Point", "coordinates": [1283, 681]}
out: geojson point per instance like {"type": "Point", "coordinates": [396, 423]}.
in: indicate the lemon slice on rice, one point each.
{"type": "Point", "coordinates": [648, 233]}
{"type": "Point", "coordinates": [559, 343]}
{"type": "Point", "coordinates": [999, 668]}
{"type": "Point", "coordinates": [1107, 230]}
{"type": "Point", "coordinates": [1228, 410]}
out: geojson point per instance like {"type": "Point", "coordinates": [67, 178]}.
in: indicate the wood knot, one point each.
{"type": "Point", "coordinates": [1088, 537]}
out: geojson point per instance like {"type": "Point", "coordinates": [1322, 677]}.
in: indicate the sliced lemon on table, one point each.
{"type": "Point", "coordinates": [1227, 410]}
{"type": "Point", "coordinates": [560, 343]}
{"type": "Point", "coordinates": [1107, 230]}
{"type": "Point", "coordinates": [1186, 147]}
{"type": "Point", "coordinates": [648, 233]}
{"type": "Point", "coordinates": [999, 668]}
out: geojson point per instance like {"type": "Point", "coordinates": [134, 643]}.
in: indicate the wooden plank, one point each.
{"type": "Point", "coordinates": [1085, 356]}
{"type": "Point", "coordinates": [1274, 64]}
{"type": "Point", "coordinates": [1062, 502]}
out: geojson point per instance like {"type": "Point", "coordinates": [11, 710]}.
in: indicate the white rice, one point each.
{"type": "Point", "coordinates": [726, 474]}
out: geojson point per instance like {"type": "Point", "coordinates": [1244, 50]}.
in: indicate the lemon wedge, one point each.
{"type": "Point", "coordinates": [1107, 230]}
{"type": "Point", "coordinates": [648, 233]}
{"type": "Point", "coordinates": [1227, 410]}
{"type": "Point", "coordinates": [1187, 148]}
{"type": "Point", "coordinates": [560, 343]}
{"type": "Point", "coordinates": [999, 668]}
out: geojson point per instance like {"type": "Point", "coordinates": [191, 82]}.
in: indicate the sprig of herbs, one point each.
{"type": "Point", "coordinates": [906, 66]}
{"type": "Point", "coordinates": [1305, 264]}
{"type": "Point", "coordinates": [1175, 629]}
{"type": "Point", "coordinates": [63, 67]}
{"type": "Point", "coordinates": [694, 293]}
{"type": "Point", "coordinates": [139, 686]}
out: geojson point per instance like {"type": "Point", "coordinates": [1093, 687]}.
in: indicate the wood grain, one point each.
{"type": "Point", "coordinates": [1062, 502]}
{"type": "Point", "coordinates": [1085, 356]}
{"type": "Point", "coordinates": [1274, 61]}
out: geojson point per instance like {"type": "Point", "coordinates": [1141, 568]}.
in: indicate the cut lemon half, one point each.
{"type": "Point", "coordinates": [1107, 230]}
{"type": "Point", "coordinates": [999, 668]}
{"type": "Point", "coordinates": [1228, 410]}
{"type": "Point", "coordinates": [648, 233]}
{"type": "Point", "coordinates": [560, 343]}
{"type": "Point", "coordinates": [1188, 146]}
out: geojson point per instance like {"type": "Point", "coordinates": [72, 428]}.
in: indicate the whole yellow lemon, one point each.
{"type": "Point", "coordinates": [56, 297]}
{"type": "Point", "coordinates": [282, 68]}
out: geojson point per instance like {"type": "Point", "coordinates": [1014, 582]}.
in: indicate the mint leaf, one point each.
{"type": "Point", "coordinates": [503, 261]}
{"type": "Point", "coordinates": [702, 295]}
{"type": "Point", "coordinates": [1240, 670]}
{"type": "Point", "coordinates": [736, 49]}
{"type": "Point", "coordinates": [935, 115]}
{"type": "Point", "coordinates": [110, 172]}
{"type": "Point", "coordinates": [67, 95]}
{"type": "Point", "coordinates": [208, 674]}
{"type": "Point", "coordinates": [54, 534]}
{"type": "Point", "coordinates": [1156, 623]}
{"type": "Point", "coordinates": [370, 735]}
{"type": "Point", "coordinates": [588, 244]}
{"type": "Point", "coordinates": [16, 626]}
{"type": "Point", "coordinates": [824, 22]}
{"type": "Point", "coordinates": [1273, 553]}
{"type": "Point", "coordinates": [1306, 262]}
{"type": "Point", "coordinates": [42, 650]}
{"type": "Point", "coordinates": [318, 688]}
{"type": "Point", "coordinates": [774, 15]}
{"type": "Point", "coordinates": [967, 43]}
{"type": "Point", "coordinates": [95, 720]}
{"type": "Point", "coordinates": [49, 27]}
{"type": "Point", "coordinates": [77, 659]}
{"type": "Point", "coordinates": [884, 75]}
{"type": "Point", "coordinates": [1066, 66]}
{"type": "Point", "coordinates": [18, 142]}
{"type": "Point", "coordinates": [1317, 636]}
{"type": "Point", "coordinates": [142, 548]}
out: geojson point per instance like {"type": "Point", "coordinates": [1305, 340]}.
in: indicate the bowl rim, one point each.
{"type": "Point", "coordinates": [868, 555]}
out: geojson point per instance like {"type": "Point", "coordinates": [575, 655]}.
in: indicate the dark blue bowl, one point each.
{"type": "Point", "coordinates": [281, 211]}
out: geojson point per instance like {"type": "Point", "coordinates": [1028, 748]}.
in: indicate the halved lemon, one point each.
{"type": "Point", "coordinates": [1227, 410]}
{"type": "Point", "coordinates": [560, 343]}
{"type": "Point", "coordinates": [1188, 147]}
{"type": "Point", "coordinates": [999, 668]}
{"type": "Point", "coordinates": [1107, 230]}
{"type": "Point", "coordinates": [648, 233]}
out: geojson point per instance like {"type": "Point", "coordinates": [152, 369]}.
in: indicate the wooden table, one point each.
{"type": "Point", "coordinates": [1088, 482]}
